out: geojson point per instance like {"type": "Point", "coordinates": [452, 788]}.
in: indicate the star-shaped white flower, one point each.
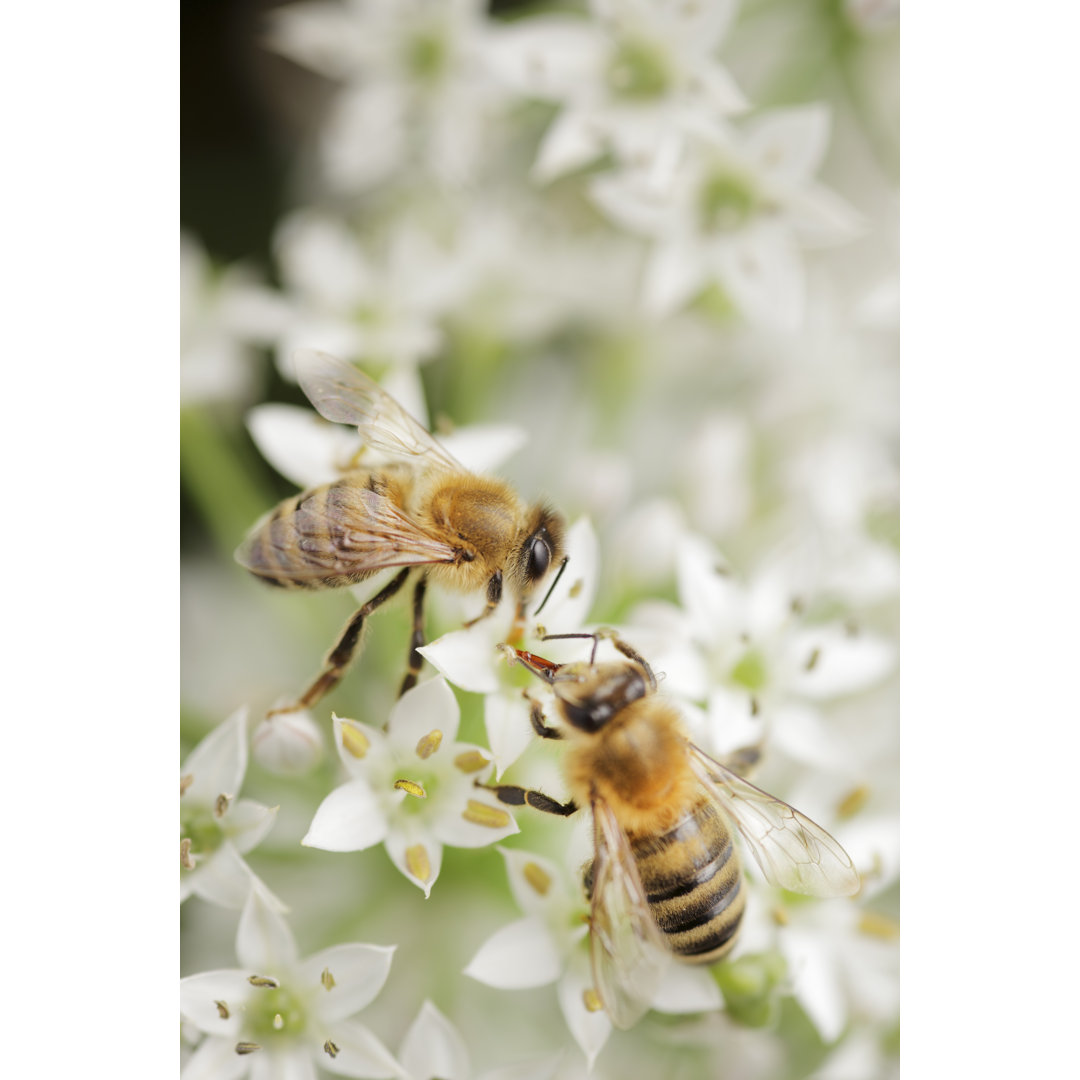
{"type": "Point", "coordinates": [279, 1015]}
{"type": "Point", "coordinates": [631, 80]}
{"type": "Point", "coordinates": [469, 658]}
{"type": "Point", "coordinates": [216, 827]}
{"type": "Point", "coordinates": [734, 211]}
{"type": "Point", "coordinates": [412, 788]}
{"type": "Point", "coordinates": [550, 945]}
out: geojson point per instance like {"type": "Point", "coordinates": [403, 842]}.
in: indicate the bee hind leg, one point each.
{"type": "Point", "coordinates": [342, 654]}
{"type": "Point", "coordinates": [416, 642]}
{"type": "Point", "coordinates": [513, 795]}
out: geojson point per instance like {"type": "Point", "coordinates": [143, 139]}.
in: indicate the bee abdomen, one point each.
{"type": "Point", "coordinates": [693, 882]}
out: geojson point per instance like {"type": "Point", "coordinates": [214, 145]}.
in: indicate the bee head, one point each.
{"type": "Point", "coordinates": [540, 546]}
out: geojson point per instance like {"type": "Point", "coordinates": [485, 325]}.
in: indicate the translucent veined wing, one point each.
{"type": "Point", "coordinates": [344, 394]}
{"type": "Point", "coordinates": [628, 951]}
{"type": "Point", "coordinates": [338, 531]}
{"type": "Point", "coordinates": [791, 850]}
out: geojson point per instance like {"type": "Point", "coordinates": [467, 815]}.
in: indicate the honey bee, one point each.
{"type": "Point", "coordinates": [665, 879]}
{"type": "Point", "coordinates": [418, 509]}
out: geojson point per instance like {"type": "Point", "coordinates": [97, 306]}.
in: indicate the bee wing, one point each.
{"type": "Point", "coordinates": [355, 532]}
{"type": "Point", "coordinates": [792, 851]}
{"type": "Point", "coordinates": [345, 395]}
{"type": "Point", "coordinates": [628, 951]}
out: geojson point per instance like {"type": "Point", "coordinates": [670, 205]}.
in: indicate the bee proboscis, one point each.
{"type": "Point", "coordinates": [665, 879]}
{"type": "Point", "coordinates": [418, 509]}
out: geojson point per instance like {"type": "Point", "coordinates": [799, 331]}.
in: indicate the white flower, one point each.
{"type": "Point", "coordinates": [550, 945]}
{"type": "Point", "coordinates": [289, 744]}
{"type": "Point", "coordinates": [279, 1015]}
{"type": "Point", "coordinates": [216, 827]}
{"type": "Point", "coordinates": [732, 213]}
{"type": "Point", "coordinates": [225, 315]}
{"type": "Point", "coordinates": [414, 87]}
{"type": "Point", "coordinates": [469, 658]}
{"type": "Point", "coordinates": [412, 788]}
{"type": "Point", "coordinates": [630, 81]}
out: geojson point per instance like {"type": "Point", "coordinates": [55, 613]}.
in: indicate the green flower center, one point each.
{"type": "Point", "coordinates": [275, 1013]}
{"type": "Point", "coordinates": [750, 672]}
{"type": "Point", "coordinates": [201, 827]}
{"type": "Point", "coordinates": [728, 201]}
{"type": "Point", "coordinates": [639, 71]}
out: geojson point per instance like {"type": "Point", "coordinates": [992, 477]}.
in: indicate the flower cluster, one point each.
{"type": "Point", "coordinates": [638, 257]}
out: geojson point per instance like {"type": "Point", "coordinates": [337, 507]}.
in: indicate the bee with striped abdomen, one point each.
{"type": "Point", "coordinates": [415, 508]}
{"type": "Point", "coordinates": [665, 879]}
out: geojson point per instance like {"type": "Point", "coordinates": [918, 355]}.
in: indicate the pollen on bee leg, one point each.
{"type": "Point", "coordinates": [429, 744]}
{"type": "Point", "coordinates": [481, 814]}
{"type": "Point", "coordinates": [537, 877]}
{"type": "Point", "coordinates": [186, 861]}
{"type": "Point", "coordinates": [264, 981]}
{"type": "Point", "coordinates": [221, 804]}
{"type": "Point", "coordinates": [417, 862]}
{"type": "Point", "coordinates": [411, 787]}
{"type": "Point", "coordinates": [353, 740]}
{"type": "Point", "coordinates": [327, 979]}
{"type": "Point", "coordinates": [472, 761]}
{"type": "Point", "coordinates": [592, 1000]}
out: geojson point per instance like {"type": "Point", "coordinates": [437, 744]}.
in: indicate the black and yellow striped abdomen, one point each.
{"type": "Point", "coordinates": [693, 880]}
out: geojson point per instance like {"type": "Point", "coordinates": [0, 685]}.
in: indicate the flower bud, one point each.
{"type": "Point", "coordinates": [289, 743]}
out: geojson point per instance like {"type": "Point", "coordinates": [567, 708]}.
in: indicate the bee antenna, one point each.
{"type": "Point", "coordinates": [547, 595]}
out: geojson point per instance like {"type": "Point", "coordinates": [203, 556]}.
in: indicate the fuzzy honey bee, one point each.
{"type": "Point", "coordinates": [665, 879]}
{"type": "Point", "coordinates": [418, 509]}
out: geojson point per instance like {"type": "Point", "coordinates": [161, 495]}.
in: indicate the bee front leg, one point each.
{"type": "Point", "coordinates": [494, 595]}
{"type": "Point", "coordinates": [416, 661]}
{"type": "Point", "coordinates": [536, 718]}
{"type": "Point", "coordinates": [513, 795]}
{"type": "Point", "coordinates": [342, 654]}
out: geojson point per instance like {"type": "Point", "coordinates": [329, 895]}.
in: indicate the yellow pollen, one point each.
{"type": "Point", "coordinates": [471, 761]}
{"type": "Point", "coordinates": [354, 740]}
{"type": "Point", "coordinates": [575, 589]}
{"type": "Point", "coordinates": [327, 979]}
{"type": "Point", "coordinates": [429, 744]}
{"type": "Point", "coordinates": [481, 814]}
{"type": "Point", "coordinates": [812, 659]}
{"type": "Point", "coordinates": [537, 877]}
{"type": "Point", "coordinates": [592, 1000]}
{"type": "Point", "coordinates": [247, 1048]}
{"type": "Point", "coordinates": [222, 1010]}
{"type": "Point", "coordinates": [263, 981]}
{"type": "Point", "coordinates": [186, 782]}
{"type": "Point", "coordinates": [853, 801]}
{"type": "Point", "coordinates": [331, 1048]}
{"type": "Point", "coordinates": [417, 862]}
{"type": "Point", "coordinates": [879, 926]}
{"type": "Point", "coordinates": [186, 861]}
{"type": "Point", "coordinates": [221, 805]}
{"type": "Point", "coordinates": [412, 787]}
{"type": "Point", "coordinates": [279, 1021]}
{"type": "Point", "coordinates": [780, 916]}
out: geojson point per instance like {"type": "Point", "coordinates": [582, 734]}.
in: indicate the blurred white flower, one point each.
{"type": "Point", "coordinates": [289, 743]}
{"type": "Point", "coordinates": [469, 658]}
{"type": "Point", "coordinates": [279, 1015]}
{"type": "Point", "coordinates": [226, 314]}
{"type": "Point", "coordinates": [216, 827]}
{"type": "Point", "coordinates": [733, 212]}
{"type": "Point", "coordinates": [412, 788]}
{"type": "Point", "coordinates": [413, 85]}
{"type": "Point", "coordinates": [630, 80]}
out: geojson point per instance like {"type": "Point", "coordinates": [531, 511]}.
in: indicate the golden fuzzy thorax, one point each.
{"type": "Point", "coordinates": [637, 763]}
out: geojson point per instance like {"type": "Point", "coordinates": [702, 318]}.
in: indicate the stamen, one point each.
{"type": "Point", "coordinates": [264, 981]}
{"type": "Point", "coordinates": [186, 861]}
{"type": "Point", "coordinates": [279, 1021]}
{"type": "Point", "coordinates": [575, 589]}
{"type": "Point", "coordinates": [755, 708]}
{"type": "Point", "coordinates": [222, 1010]}
{"type": "Point", "coordinates": [780, 916]}
{"type": "Point", "coordinates": [429, 744]}
{"type": "Point", "coordinates": [331, 1048]}
{"type": "Point", "coordinates": [471, 761]}
{"type": "Point", "coordinates": [327, 979]}
{"type": "Point", "coordinates": [412, 787]}
{"type": "Point", "coordinates": [221, 804]}
{"type": "Point", "coordinates": [354, 740]}
{"type": "Point", "coordinates": [417, 862]}
{"type": "Point", "coordinates": [879, 926]}
{"type": "Point", "coordinates": [185, 782]}
{"type": "Point", "coordinates": [537, 877]}
{"type": "Point", "coordinates": [592, 1000]}
{"type": "Point", "coordinates": [812, 659]}
{"type": "Point", "coordinates": [247, 1047]}
{"type": "Point", "coordinates": [481, 814]}
{"type": "Point", "coordinates": [853, 801]}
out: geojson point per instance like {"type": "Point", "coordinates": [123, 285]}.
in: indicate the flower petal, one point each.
{"type": "Point", "coordinates": [225, 879]}
{"type": "Point", "coordinates": [356, 975]}
{"type": "Point", "coordinates": [217, 765]}
{"type": "Point", "coordinates": [427, 707]}
{"type": "Point", "coordinates": [687, 990]}
{"type": "Point", "coordinates": [264, 942]}
{"type": "Point", "coordinates": [474, 819]}
{"type": "Point", "coordinates": [828, 662]}
{"type": "Point", "coordinates": [216, 1059]}
{"type": "Point", "coordinates": [789, 144]}
{"type": "Point", "coordinates": [417, 854]}
{"type": "Point", "coordinates": [484, 447]}
{"type": "Point", "coordinates": [466, 658]}
{"type": "Point", "coordinates": [590, 1029]}
{"type": "Point", "coordinates": [348, 819]}
{"type": "Point", "coordinates": [509, 733]}
{"type": "Point", "coordinates": [521, 955]}
{"type": "Point", "coordinates": [200, 994]}
{"type": "Point", "coordinates": [300, 444]}
{"type": "Point", "coordinates": [290, 1062]}
{"type": "Point", "coordinates": [433, 1047]}
{"type": "Point", "coordinates": [246, 822]}
{"type": "Point", "coordinates": [360, 1053]}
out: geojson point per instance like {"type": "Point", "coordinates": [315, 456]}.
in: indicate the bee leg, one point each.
{"type": "Point", "coordinates": [416, 661]}
{"type": "Point", "coordinates": [494, 595]}
{"type": "Point", "coordinates": [345, 649]}
{"type": "Point", "coordinates": [630, 653]}
{"type": "Point", "coordinates": [513, 795]}
{"type": "Point", "coordinates": [536, 718]}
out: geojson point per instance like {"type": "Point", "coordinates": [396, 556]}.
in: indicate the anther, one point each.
{"type": "Point", "coordinates": [221, 804]}
{"type": "Point", "coordinates": [812, 659]}
{"type": "Point", "coordinates": [247, 1047]}
{"type": "Point", "coordinates": [537, 877]}
{"type": "Point", "coordinates": [429, 744]}
{"type": "Point", "coordinates": [417, 862]}
{"type": "Point", "coordinates": [592, 1000]}
{"type": "Point", "coordinates": [354, 740]}
{"type": "Point", "coordinates": [780, 916]}
{"type": "Point", "coordinates": [327, 979]}
{"type": "Point", "coordinates": [185, 782]}
{"type": "Point", "coordinates": [222, 1010]}
{"type": "Point", "coordinates": [331, 1048]}
{"type": "Point", "coordinates": [879, 926]}
{"type": "Point", "coordinates": [264, 981]}
{"type": "Point", "coordinates": [279, 1021]}
{"type": "Point", "coordinates": [412, 787]}
{"type": "Point", "coordinates": [471, 761]}
{"type": "Point", "coordinates": [853, 801]}
{"type": "Point", "coordinates": [481, 814]}
{"type": "Point", "coordinates": [186, 861]}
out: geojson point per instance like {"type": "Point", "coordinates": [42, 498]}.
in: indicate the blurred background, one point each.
{"type": "Point", "coordinates": [658, 242]}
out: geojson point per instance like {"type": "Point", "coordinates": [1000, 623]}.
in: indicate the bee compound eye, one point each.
{"type": "Point", "coordinates": [539, 557]}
